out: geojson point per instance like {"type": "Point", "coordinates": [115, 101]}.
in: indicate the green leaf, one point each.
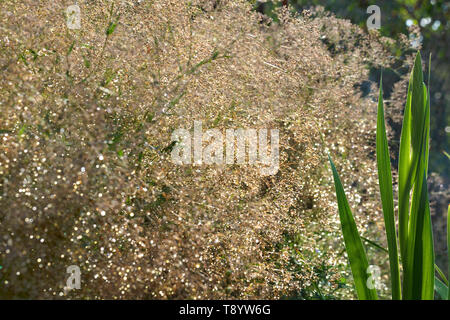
{"type": "Point", "coordinates": [446, 154]}
{"type": "Point", "coordinates": [440, 288]}
{"type": "Point", "coordinates": [87, 63]}
{"type": "Point", "coordinates": [419, 268]}
{"type": "Point", "coordinates": [112, 26]}
{"type": "Point", "coordinates": [418, 103]}
{"type": "Point", "coordinates": [22, 130]}
{"type": "Point", "coordinates": [374, 244]}
{"type": "Point", "coordinates": [441, 274]}
{"type": "Point", "coordinates": [387, 198]}
{"type": "Point", "coordinates": [405, 175]}
{"type": "Point", "coordinates": [34, 54]}
{"type": "Point", "coordinates": [71, 48]}
{"type": "Point", "coordinates": [355, 250]}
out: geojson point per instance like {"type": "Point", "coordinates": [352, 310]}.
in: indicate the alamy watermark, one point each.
{"type": "Point", "coordinates": [374, 280]}
{"type": "Point", "coordinates": [73, 15]}
{"type": "Point", "coordinates": [74, 280]}
{"type": "Point", "coordinates": [374, 20]}
{"type": "Point", "coordinates": [191, 151]}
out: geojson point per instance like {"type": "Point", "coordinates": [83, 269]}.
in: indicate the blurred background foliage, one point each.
{"type": "Point", "coordinates": [397, 17]}
{"type": "Point", "coordinates": [426, 25]}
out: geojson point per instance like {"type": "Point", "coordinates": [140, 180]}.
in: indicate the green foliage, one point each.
{"type": "Point", "coordinates": [415, 230]}
{"type": "Point", "coordinates": [353, 244]}
{"type": "Point", "coordinates": [418, 262]}
{"type": "Point", "coordinates": [441, 289]}
{"type": "Point", "coordinates": [385, 178]}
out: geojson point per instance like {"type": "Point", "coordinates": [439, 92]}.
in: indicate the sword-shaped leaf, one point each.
{"type": "Point", "coordinates": [419, 267]}
{"type": "Point", "coordinates": [353, 245]}
{"type": "Point", "coordinates": [387, 199]}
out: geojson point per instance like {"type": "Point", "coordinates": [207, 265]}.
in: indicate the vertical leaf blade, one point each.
{"type": "Point", "coordinates": [355, 250]}
{"type": "Point", "coordinates": [419, 268]}
{"type": "Point", "coordinates": [405, 175]}
{"type": "Point", "coordinates": [418, 103]}
{"type": "Point", "coordinates": [387, 199]}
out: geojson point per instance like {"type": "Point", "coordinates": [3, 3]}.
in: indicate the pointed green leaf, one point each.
{"type": "Point", "coordinates": [355, 250]}
{"type": "Point", "coordinates": [111, 27]}
{"type": "Point", "coordinates": [387, 199]}
{"type": "Point", "coordinates": [418, 103]}
{"type": "Point", "coordinates": [419, 268]}
{"type": "Point", "coordinates": [405, 175]}
{"type": "Point", "coordinates": [441, 274]}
